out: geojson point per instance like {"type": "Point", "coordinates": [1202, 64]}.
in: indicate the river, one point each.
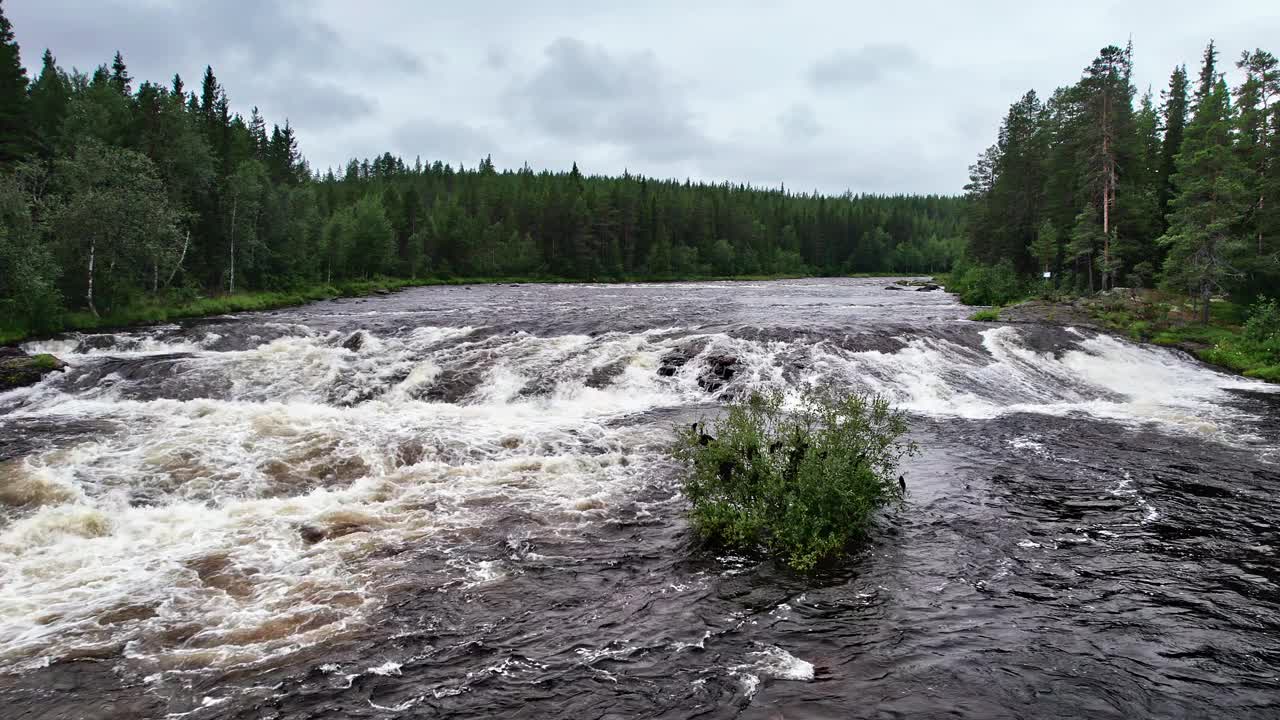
{"type": "Point", "coordinates": [456, 502]}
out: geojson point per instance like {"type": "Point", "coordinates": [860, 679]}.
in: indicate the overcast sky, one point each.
{"type": "Point", "coordinates": [871, 97]}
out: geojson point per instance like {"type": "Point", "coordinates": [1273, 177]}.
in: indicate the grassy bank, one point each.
{"type": "Point", "coordinates": [1240, 339]}
{"type": "Point", "coordinates": [1237, 338]}
{"type": "Point", "coordinates": [162, 309]}
{"type": "Point", "coordinates": [167, 309]}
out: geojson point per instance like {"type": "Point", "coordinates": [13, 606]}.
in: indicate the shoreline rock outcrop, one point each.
{"type": "Point", "coordinates": [18, 369]}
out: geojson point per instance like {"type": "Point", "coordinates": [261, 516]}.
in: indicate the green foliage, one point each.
{"type": "Point", "coordinates": [43, 361]}
{"type": "Point", "coordinates": [1185, 194]}
{"type": "Point", "coordinates": [139, 196]}
{"type": "Point", "coordinates": [29, 297]}
{"type": "Point", "coordinates": [802, 485]}
{"type": "Point", "coordinates": [1263, 325]}
{"type": "Point", "coordinates": [15, 121]}
{"type": "Point", "coordinates": [991, 314]}
{"type": "Point", "coordinates": [1211, 201]}
{"type": "Point", "coordinates": [998, 284]}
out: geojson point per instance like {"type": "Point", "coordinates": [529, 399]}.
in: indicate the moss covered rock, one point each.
{"type": "Point", "coordinates": [18, 369]}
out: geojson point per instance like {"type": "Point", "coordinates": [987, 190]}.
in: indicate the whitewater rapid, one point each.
{"type": "Point", "coordinates": [232, 495]}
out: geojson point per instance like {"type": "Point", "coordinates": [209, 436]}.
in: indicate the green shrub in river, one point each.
{"type": "Point", "coordinates": [801, 484]}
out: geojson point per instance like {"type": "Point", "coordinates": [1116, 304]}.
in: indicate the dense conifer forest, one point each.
{"type": "Point", "coordinates": [115, 193]}
{"type": "Point", "coordinates": [1106, 188]}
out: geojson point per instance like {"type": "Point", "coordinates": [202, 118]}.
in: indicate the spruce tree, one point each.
{"type": "Point", "coordinates": [1208, 74]}
{"type": "Point", "coordinates": [15, 122]}
{"type": "Point", "coordinates": [120, 79]}
{"type": "Point", "coordinates": [1203, 238]}
{"type": "Point", "coordinates": [49, 98]}
{"type": "Point", "coordinates": [1255, 99]}
{"type": "Point", "coordinates": [1175, 123]}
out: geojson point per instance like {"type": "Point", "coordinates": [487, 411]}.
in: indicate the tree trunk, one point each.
{"type": "Point", "coordinates": [1260, 199]}
{"type": "Point", "coordinates": [93, 252]}
{"type": "Point", "coordinates": [182, 256]}
{"type": "Point", "coordinates": [1106, 193]}
{"type": "Point", "coordinates": [1205, 294]}
{"type": "Point", "coordinates": [231, 287]}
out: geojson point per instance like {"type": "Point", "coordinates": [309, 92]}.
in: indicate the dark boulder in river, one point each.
{"type": "Point", "coordinates": [18, 369]}
{"type": "Point", "coordinates": [720, 370]}
{"type": "Point", "coordinates": [672, 362]}
{"type": "Point", "coordinates": [930, 287]}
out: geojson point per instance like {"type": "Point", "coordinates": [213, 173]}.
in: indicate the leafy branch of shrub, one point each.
{"type": "Point", "coordinates": [801, 485]}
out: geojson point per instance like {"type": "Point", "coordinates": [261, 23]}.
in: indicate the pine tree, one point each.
{"type": "Point", "coordinates": [1175, 123]}
{"type": "Point", "coordinates": [1211, 201]}
{"type": "Point", "coordinates": [15, 122]}
{"type": "Point", "coordinates": [1107, 97]}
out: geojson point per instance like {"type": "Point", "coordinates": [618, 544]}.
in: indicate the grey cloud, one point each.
{"type": "Point", "coordinates": [323, 105]}
{"type": "Point", "coordinates": [761, 95]}
{"type": "Point", "coordinates": [495, 57]}
{"type": "Point", "coordinates": [799, 122]}
{"type": "Point", "coordinates": [585, 93]}
{"type": "Point", "coordinates": [867, 65]}
{"type": "Point", "coordinates": [266, 37]}
{"type": "Point", "coordinates": [431, 139]}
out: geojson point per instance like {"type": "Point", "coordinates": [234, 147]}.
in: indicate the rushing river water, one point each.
{"type": "Point", "coordinates": [455, 502]}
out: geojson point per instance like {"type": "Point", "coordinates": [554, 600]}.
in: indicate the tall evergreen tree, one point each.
{"type": "Point", "coordinates": [1107, 96]}
{"type": "Point", "coordinates": [1175, 123]}
{"type": "Point", "coordinates": [1255, 128]}
{"type": "Point", "coordinates": [49, 97]}
{"type": "Point", "coordinates": [120, 79]}
{"type": "Point", "coordinates": [15, 121]}
{"type": "Point", "coordinates": [1208, 73]}
{"type": "Point", "coordinates": [1212, 198]}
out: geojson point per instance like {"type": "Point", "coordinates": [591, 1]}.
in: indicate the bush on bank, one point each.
{"type": "Point", "coordinates": [987, 284]}
{"type": "Point", "coordinates": [800, 484]}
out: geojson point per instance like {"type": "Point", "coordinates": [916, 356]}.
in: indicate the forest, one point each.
{"type": "Point", "coordinates": [115, 193]}
{"type": "Point", "coordinates": [1103, 188]}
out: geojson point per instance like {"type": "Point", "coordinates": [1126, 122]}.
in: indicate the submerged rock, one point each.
{"type": "Point", "coordinates": [671, 363]}
{"type": "Point", "coordinates": [18, 369]}
{"type": "Point", "coordinates": [895, 287]}
{"type": "Point", "coordinates": [928, 287]}
{"type": "Point", "coordinates": [355, 341]}
{"type": "Point", "coordinates": [720, 370]}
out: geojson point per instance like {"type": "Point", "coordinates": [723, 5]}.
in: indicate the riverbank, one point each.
{"type": "Point", "coordinates": [160, 310]}
{"type": "Point", "coordinates": [1157, 318]}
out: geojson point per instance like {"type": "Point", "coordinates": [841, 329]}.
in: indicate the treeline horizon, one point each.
{"type": "Point", "coordinates": [112, 196]}
{"type": "Point", "coordinates": [1100, 192]}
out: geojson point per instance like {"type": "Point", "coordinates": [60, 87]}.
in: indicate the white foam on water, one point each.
{"type": "Point", "coordinates": [775, 662]}
{"type": "Point", "coordinates": [236, 529]}
{"type": "Point", "coordinates": [245, 526]}
{"type": "Point", "coordinates": [1103, 377]}
{"type": "Point", "coordinates": [771, 662]}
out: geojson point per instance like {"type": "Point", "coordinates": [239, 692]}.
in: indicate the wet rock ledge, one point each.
{"type": "Point", "coordinates": [18, 369]}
